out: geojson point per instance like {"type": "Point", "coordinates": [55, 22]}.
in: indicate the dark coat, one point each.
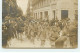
{"type": "Point", "coordinates": [59, 43]}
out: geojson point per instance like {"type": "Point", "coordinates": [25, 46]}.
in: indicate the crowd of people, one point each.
{"type": "Point", "coordinates": [57, 32]}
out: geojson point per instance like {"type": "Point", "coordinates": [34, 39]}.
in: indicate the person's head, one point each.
{"type": "Point", "coordinates": [9, 21]}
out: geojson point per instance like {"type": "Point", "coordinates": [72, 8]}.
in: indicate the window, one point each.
{"type": "Point", "coordinates": [64, 14]}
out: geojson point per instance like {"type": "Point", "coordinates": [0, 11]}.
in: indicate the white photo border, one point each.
{"type": "Point", "coordinates": [40, 50]}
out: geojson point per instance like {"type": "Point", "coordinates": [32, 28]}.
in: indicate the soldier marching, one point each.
{"type": "Point", "coordinates": [57, 32]}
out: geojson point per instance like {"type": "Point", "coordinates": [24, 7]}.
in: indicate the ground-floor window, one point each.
{"type": "Point", "coordinates": [64, 14]}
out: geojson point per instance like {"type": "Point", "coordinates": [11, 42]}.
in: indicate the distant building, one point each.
{"type": "Point", "coordinates": [52, 9]}
{"type": "Point", "coordinates": [29, 9]}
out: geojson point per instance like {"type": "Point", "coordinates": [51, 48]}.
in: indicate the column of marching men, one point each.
{"type": "Point", "coordinates": [57, 32]}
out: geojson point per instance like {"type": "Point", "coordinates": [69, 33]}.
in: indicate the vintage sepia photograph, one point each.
{"type": "Point", "coordinates": [41, 24]}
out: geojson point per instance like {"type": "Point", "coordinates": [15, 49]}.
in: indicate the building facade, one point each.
{"type": "Point", "coordinates": [52, 9]}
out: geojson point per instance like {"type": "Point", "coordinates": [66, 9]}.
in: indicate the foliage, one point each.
{"type": "Point", "coordinates": [10, 8]}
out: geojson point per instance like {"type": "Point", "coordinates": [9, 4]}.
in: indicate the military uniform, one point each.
{"type": "Point", "coordinates": [42, 36]}
{"type": "Point", "coordinates": [54, 36]}
{"type": "Point", "coordinates": [73, 34]}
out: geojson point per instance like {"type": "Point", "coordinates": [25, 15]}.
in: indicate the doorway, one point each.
{"type": "Point", "coordinates": [40, 15]}
{"type": "Point", "coordinates": [46, 14]}
{"type": "Point", "coordinates": [54, 14]}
